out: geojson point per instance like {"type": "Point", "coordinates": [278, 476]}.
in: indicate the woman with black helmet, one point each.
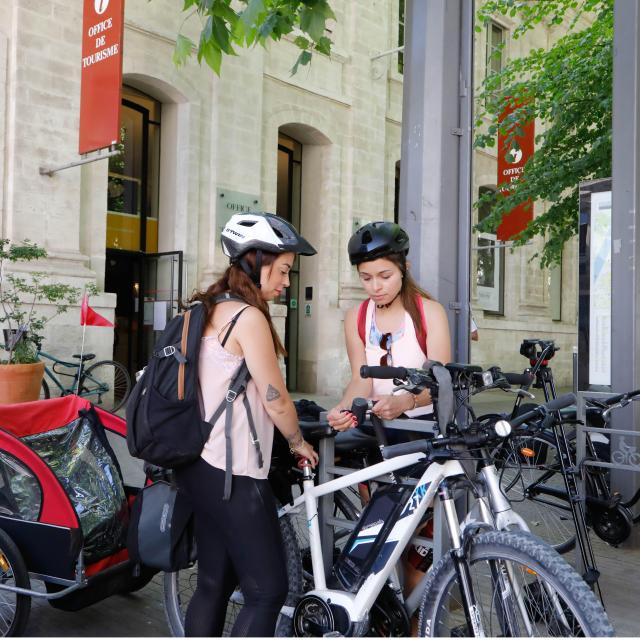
{"type": "Point", "coordinates": [237, 534]}
{"type": "Point", "coordinates": [398, 325]}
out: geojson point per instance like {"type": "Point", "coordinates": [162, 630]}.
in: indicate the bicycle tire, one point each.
{"type": "Point", "coordinates": [106, 384]}
{"type": "Point", "coordinates": [543, 572]}
{"type": "Point", "coordinates": [14, 608]}
{"type": "Point", "coordinates": [179, 586]}
{"type": "Point", "coordinates": [521, 480]}
{"type": "Point", "coordinates": [45, 392]}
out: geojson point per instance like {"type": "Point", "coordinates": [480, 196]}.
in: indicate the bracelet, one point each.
{"type": "Point", "coordinates": [294, 449]}
{"type": "Point", "coordinates": [415, 402]}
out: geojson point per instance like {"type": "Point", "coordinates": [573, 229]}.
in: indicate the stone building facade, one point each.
{"type": "Point", "coordinates": [321, 147]}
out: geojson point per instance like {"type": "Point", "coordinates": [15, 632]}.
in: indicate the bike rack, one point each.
{"type": "Point", "coordinates": [626, 451]}
{"type": "Point", "coordinates": [327, 470]}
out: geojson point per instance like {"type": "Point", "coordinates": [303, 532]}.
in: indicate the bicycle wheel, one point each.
{"type": "Point", "coordinates": [180, 586]}
{"type": "Point", "coordinates": [522, 588]}
{"type": "Point", "coordinates": [45, 393]}
{"type": "Point", "coordinates": [14, 608]}
{"type": "Point", "coordinates": [531, 479]}
{"type": "Point", "coordinates": [106, 384]}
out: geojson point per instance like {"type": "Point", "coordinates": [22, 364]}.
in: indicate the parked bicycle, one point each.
{"type": "Point", "coordinates": [491, 583]}
{"type": "Point", "coordinates": [105, 383]}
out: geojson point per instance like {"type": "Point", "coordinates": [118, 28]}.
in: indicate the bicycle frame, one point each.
{"type": "Point", "coordinates": [423, 496]}
{"type": "Point", "coordinates": [78, 367]}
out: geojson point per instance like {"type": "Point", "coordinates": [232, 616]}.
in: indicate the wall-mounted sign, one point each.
{"type": "Point", "coordinates": [594, 301]}
{"type": "Point", "coordinates": [307, 309]}
{"type": "Point", "coordinates": [101, 74]}
{"type": "Point", "coordinates": [229, 202]}
{"type": "Point", "coordinates": [511, 162]}
{"type": "Point", "coordinates": [293, 303]}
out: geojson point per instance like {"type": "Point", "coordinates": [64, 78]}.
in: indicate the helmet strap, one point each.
{"type": "Point", "coordinates": [254, 273]}
{"type": "Point", "coordinates": [386, 306]}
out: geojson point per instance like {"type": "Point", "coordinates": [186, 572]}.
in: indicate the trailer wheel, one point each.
{"type": "Point", "coordinates": [14, 608]}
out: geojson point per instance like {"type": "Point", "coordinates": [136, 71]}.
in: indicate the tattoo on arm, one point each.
{"type": "Point", "coordinates": [272, 394]}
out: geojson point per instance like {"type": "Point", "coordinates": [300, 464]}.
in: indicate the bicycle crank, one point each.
{"type": "Point", "coordinates": [611, 524]}
{"type": "Point", "coordinates": [313, 618]}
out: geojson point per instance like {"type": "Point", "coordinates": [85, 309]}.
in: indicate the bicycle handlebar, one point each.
{"type": "Point", "coordinates": [521, 379]}
{"type": "Point", "coordinates": [563, 401]}
{"type": "Point", "coordinates": [469, 439]}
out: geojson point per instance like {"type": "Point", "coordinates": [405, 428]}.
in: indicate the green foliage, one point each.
{"type": "Point", "coordinates": [20, 294]}
{"type": "Point", "coordinates": [568, 89]}
{"type": "Point", "coordinates": [243, 23]}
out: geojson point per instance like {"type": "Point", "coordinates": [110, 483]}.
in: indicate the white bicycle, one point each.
{"type": "Point", "coordinates": [490, 583]}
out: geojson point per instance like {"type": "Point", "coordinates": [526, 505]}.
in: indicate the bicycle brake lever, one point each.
{"type": "Point", "coordinates": [522, 392]}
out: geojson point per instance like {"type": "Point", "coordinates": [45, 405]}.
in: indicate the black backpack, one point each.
{"type": "Point", "coordinates": [165, 421]}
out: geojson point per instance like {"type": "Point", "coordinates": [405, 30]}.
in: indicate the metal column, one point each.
{"type": "Point", "coordinates": [625, 267]}
{"type": "Point", "coordinates": [435, 176]}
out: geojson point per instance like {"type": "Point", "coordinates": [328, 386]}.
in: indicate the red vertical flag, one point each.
{"type": "Point", "coordinates": [89, 317]}
{"type": "Point", "coordinates": [511, 163]}
{"type": "Point", "coordinates": [101, 74]}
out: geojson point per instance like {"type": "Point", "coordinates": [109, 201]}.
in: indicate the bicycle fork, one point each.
{"type": "Point", "coordinates": [461, 564]}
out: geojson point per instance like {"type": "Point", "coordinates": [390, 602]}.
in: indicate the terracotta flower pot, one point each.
{"type": "Point", "coordinates": [20, 382]}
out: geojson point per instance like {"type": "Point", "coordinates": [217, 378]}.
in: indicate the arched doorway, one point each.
{"type": "Point", "coordinates": [288, 202]}
{"type": "Point", "coordinates": [147, 283]}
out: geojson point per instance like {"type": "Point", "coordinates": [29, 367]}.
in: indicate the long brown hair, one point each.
{"type": "Point", "coordinates": [410, 291]}
{"type": "Point", "coordinates": [234, 280]}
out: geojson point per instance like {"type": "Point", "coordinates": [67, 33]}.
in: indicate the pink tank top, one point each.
{"type": "Point", "coordinates": [405, 352]}
{"type": "Point", "coordinates": [217, 367]}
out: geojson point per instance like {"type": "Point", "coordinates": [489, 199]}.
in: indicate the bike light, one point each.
{"type": "Point", "coordinates": [502, 428]}
{"type": "Point", "coordinates": [529, 453]}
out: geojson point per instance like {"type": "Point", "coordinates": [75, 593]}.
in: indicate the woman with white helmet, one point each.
{"type": "Point", "coordinates": [238, 537]}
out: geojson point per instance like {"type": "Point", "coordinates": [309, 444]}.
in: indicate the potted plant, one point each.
{"type": "Point", "coordinates": [21, 294]}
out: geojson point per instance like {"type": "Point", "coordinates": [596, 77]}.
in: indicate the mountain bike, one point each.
{"type": "Point", "coordinates": [106, 383]}
{"type": "Point", "coordinates": [491, 583]}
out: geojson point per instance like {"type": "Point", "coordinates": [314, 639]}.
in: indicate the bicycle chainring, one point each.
{"type": "Point", "coordinates": [388, 618]}
{"type": "Point", "coordinates": [613, 525]}
{"type": "Point", "coordinates": [312, 618]}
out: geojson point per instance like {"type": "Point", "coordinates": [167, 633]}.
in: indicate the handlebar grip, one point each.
{"type": "Point", "coordinates": [563, 401]}
{"type": "Point", "coordinates": [521, 379]}
{"type": "Point", "coordinates": [560, 403]}
{"type": "Point", "coordinates": [383, 373]}
{"type": "Point", "coordinates": [416, 446]}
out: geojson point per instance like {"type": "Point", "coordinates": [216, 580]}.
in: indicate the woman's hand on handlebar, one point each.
{"type": "Point", "coordinates": [305, 450]}
{"type": "Point", "coordinates": [341, 419]}
{"type": "Point", "coordinates": [390, 407]}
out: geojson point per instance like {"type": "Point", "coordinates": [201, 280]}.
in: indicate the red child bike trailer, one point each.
{"type": "Point", "coordinates": [64, 508]}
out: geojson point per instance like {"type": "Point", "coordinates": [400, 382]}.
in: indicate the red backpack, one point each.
{"type": "Point", "coordinates": [421, 332]}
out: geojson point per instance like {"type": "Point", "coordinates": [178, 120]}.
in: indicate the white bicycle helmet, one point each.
{"type": "Point", "coordinates": [261, 232]}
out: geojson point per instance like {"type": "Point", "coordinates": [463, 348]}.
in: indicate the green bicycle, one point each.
{"type": "Point", "coordinates": [105, 383]}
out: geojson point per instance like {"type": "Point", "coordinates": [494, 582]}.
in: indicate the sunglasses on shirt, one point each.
{"type": "Point", "coordinates": [385, 343]}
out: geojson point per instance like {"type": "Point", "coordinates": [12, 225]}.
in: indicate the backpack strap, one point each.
{"type": "Point", "coordinates": [183, 350]}
{"type": "Point", "coordinates": [232, 323]}
{"type": "Point", "coordinates": [238, 385]}
{"type": "Point", "coordinates": [362, 319]}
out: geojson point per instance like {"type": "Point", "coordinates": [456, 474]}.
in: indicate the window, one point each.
{"type": "Point", "coordinates": [134, 176]}
{"type": "Point", "coordinates": [401, 35]}
{"type": "Point", "coordinates": [490, 266]}
{"type": "Point", "coordinates": [495, 46]}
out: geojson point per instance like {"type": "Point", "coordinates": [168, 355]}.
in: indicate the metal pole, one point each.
{"type": "Point", "coordinates": [435, 176]}
{"type": "Point", "coordinates": [625, 264]}
{"type": "Point", "coordinates": [49, 171]}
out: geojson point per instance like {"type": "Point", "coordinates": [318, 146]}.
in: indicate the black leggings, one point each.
{"type": "Point", "coordinates": [239, 543]}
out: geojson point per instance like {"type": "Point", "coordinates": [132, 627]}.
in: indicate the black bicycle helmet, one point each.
{"type": "Point", "coordinates": [376, 240]}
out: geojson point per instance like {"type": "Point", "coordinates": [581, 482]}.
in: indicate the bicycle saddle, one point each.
{"type": "Point", "coordinates": [85, 357]}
